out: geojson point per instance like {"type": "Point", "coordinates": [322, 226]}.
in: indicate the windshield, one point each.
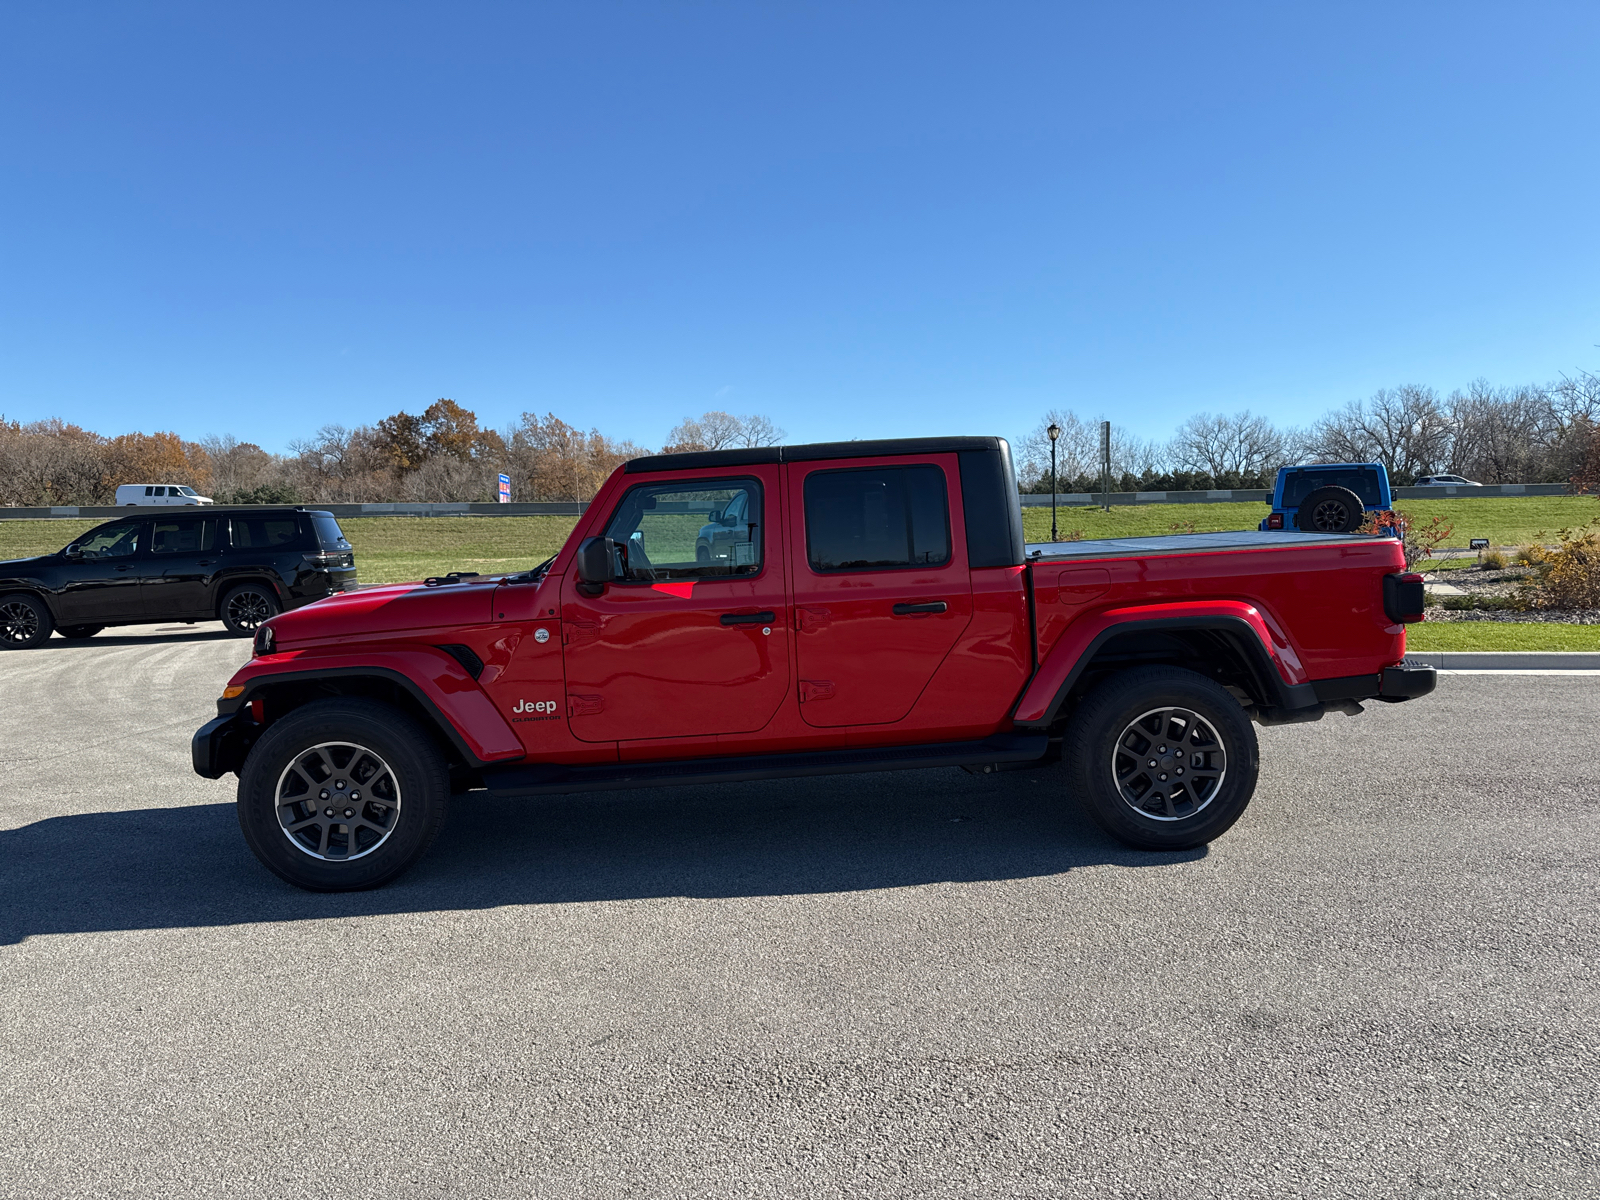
{"type": "Point", "coordinates": [186, 491]}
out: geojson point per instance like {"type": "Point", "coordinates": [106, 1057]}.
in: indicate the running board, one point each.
{"type": "Point", "coordinates": [544, 779]}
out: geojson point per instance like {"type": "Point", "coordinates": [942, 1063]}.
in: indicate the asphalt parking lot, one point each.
{"type": "Point", "coordinates": [1381, 983]}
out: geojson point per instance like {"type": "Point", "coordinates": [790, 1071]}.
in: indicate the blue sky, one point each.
{"type": "Point", "coordinates": [860, 220]}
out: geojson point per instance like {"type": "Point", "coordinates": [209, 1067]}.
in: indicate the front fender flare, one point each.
{"type": "Point", "coordinates": [461, 709]}
{"type": "Point", "coordinates": [1272, 658]}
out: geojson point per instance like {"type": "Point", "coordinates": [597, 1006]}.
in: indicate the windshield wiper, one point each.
{"type": "Point", "coordinates": [532, 573]}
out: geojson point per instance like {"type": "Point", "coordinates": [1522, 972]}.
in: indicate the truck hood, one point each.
{"type": "Point", "coordinates": [388, 609]}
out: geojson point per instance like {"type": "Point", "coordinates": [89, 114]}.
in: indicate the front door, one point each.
{"type": "Point", "coordinates": [881, 587]}
{"type": "Point", "coordinates": [181, 571]}
{"type": "Point", "coordinates": [103, 582]}
{"type": "Point", "coordinates": [689, 640]}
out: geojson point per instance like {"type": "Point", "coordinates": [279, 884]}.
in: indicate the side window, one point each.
{"type": "Point", "coordinates": [877, 518]}
{"type": "Point", "coordinates": [263, 533]}
{"type": "Point", "coordinates": [149, 491]}
{"type": "Point", "coordinates": [161, 491]}
{"type": "Point", "coordinates": [707, 529]}
{"type": "Point", "coordinates": [188, 535]}
{"type": "Point", "coordinates": [114, 541]}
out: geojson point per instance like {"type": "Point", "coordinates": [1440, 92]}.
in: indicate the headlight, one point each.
{"type": "Point", "coordinates": [265, 641]}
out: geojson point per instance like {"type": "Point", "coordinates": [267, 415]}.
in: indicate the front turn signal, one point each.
{"type": "Point", "coordinates": [233, 693]}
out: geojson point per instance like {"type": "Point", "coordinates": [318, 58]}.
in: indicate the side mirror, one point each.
{"type": "Point", "coordinates": [72, 551]}
{"type": "Point", "coordinates": [596, 557]}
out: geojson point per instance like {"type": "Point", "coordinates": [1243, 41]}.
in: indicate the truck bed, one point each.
{"type": "Point", "coordinates": [1185, 543]}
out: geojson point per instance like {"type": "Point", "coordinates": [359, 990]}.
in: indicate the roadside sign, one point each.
{"type": "Point", "coordinates": [505, 489]}
{"type": "Point", "coordinates": [1479, 544]}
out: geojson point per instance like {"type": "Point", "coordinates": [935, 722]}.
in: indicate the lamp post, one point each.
{"type": "Point", "coordinates": [1054, 431]}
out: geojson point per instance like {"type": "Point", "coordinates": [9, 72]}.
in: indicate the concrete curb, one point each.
{"type": "Point", "coordinates": [1506, 660]}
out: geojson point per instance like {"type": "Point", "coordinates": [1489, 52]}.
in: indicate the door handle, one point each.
{"type": "Point", "coordinates": [123, 568]}
{"type": "Point", "coordinates": [926, 606]}
{"type": "Point", "coordinates": [204, 562]}
{"type": "Point", "coordinates": [760, 618]}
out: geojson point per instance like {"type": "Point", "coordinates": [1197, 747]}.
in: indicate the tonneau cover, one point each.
{"type": "Point", "coordinates": [1186, 543]}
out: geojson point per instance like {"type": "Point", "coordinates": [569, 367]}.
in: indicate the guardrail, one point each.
{"type": "Point", "coordinates": [568, 508]}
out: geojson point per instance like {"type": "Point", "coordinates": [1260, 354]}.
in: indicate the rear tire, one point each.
{"type": "Point", "coordinates": [1330, 510]}
{"type": "Point", "coordinates": [25, 622]}
{"type": "Point", "coordinates": [342, 795]}
{"type": "Point", "coordinates": [245, 607]}
{"type": "Point", "coordinates": [78, 633]}
{"type": "Point", "coordinates": [1196, 733]}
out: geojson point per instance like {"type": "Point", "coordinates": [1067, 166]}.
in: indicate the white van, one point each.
{"type": "Point", "coordinates": [159, 493]}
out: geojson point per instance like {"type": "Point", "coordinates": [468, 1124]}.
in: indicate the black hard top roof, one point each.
{"type": "Point", "coordinates": [700, 460]}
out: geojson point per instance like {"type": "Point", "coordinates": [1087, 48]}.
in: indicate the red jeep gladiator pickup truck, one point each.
{"type": "Point", "coordinates": [806, 610]}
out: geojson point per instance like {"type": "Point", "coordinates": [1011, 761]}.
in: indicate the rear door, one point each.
{"type": "Point", "coordinates": [181, 574]}
{"type": "Point", "coordinates": [881, 585]}
{"type": "Point", "coordinates": [688, 640]}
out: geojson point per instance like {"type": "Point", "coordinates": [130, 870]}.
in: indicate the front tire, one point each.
{"type": "Point", "coordinates": [1165, 758]}
{"type": "Point", "coordinates": [246, 607]}
{"type": "Point", "coordinates": [342, 795]}
{"type": "Point", "coordinates": [25, 623]}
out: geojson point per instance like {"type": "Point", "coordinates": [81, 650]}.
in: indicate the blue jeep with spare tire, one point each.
{"type": "Point", "coordinates": [1328, 497]}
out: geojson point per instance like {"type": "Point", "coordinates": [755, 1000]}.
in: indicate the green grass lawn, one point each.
{"type": "Point", "coordinates": [1504, 520]}
{"type": "Point", "coordinates": [1501, 635]}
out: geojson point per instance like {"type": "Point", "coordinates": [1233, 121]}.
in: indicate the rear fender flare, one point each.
{"type": "Point", "coordinates": [459, 708]}
{"type": "Point", "coordinates": [1267, 649]}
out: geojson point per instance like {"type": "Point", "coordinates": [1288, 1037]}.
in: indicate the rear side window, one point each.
{"type": "Point", "coordinates": [1301, 484]}
{"type": "Point", "coordinates": [264, 533]}
{"type": "Point", "coordinates": [877, 518]}
{"type": "Point", "coordinates": [186, 535]}
{"type": "Point", "coordinates": [329, 535]}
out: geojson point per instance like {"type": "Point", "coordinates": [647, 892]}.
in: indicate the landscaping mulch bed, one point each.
{"type": "Point", "coordinates": [1501, 585]}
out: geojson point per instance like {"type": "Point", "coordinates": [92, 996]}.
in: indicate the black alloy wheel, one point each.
{"type": "Point", "coordinates": [25, 622]}
{"type": "Point", "coordinates": [78, 633]}
{"type": "Point", "coordinates": [245, 608]}
{"type": "Point", "coordinates": [1165, 757]}
{"type": "Point", "coordinates": [342, 794]}
{"type": "Point", "coordinates": [1330, 510]}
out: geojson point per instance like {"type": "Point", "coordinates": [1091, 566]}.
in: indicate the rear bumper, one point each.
{"type": "Point", "coordinates": [1406, 680]}
{"type": "Point", "coordinates": [220, 745]}
{"type": "Point", "coordinates": [1399, 682]}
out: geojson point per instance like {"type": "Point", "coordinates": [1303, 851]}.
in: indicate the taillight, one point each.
{"type": "Point", "coordinates": [1275, 521]}
{"type": "Point", "coordinates": [321, 560]}
{"type": "Point", "coordinates": [1403, 597]}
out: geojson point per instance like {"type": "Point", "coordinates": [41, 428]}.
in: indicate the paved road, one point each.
{"type": "Point", "coordinates": [1382, 983]}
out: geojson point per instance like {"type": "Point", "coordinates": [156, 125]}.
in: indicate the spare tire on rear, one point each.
{"type": "Point", "coordinates": [1330, 510]}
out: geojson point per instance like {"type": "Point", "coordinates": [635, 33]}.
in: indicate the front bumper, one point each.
{"type": "Point", "coordinates": [220, 745]}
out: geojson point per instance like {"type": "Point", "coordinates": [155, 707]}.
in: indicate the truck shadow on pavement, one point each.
{"type": "Point", "coordinates": [171, 868]}
{"type": "Point", "coordinates": [182, 634]}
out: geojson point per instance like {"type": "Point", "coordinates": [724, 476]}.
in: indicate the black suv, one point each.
{"type": "Point", "coordinates": [239, 565]}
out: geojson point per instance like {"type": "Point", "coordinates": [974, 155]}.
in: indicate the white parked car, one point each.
{"type": "Point", "coordinates": [159, 493]}
{"type": "Point", "coordinates": [1445, 481]}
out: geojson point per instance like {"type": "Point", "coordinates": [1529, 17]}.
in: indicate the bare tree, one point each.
{"type": "Point", "coordinates": [721, 431]}
{"type": "Point", "coordinates": [1404, 428]}
{"type": "Point", "coordinates": [1502, 435]}
{"type": "Point", "coordinates": [759, 431]}
{"type": "Point", "coordinates": [1222, 445]}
